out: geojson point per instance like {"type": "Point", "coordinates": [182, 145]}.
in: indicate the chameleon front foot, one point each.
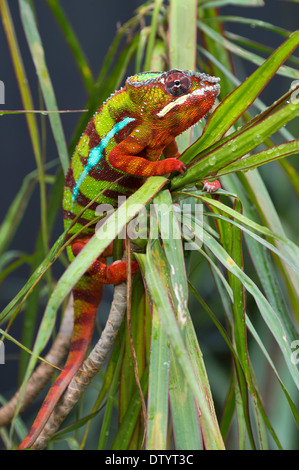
{"type": "Point", "coordinates": [169, 165]}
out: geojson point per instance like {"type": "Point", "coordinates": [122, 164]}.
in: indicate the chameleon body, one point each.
{"type": "Point", "coordinates": [125, 138]}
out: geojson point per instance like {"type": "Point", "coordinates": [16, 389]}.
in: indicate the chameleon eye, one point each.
{"type": "Point", "coordinates": [177, 83]}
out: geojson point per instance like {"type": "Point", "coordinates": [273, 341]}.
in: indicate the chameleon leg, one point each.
{"type": "Point", "coordinates": [124, 158]}
{"type": "Point", "coordinates": [139, 166]}
{"type": "Point", "coordinates": [171, 150]}
{"type": "Point", "coordinates": [87, 296]}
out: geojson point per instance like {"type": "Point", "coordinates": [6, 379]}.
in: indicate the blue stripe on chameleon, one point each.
{"type": "Point", "coordinates": [97, 153]}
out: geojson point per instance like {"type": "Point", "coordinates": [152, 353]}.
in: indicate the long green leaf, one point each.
{"type": "Point", "coordinates": [184, 414]}
{"type": "Point", "coordinates": [126, 429]}
{"type": "Point", "coordinates": [183, 408]}
{"type": "Point", "coordinates": [253, 22]}
{"type": "Point", "coordinates": [157, 409]}
{"type": "Point", "coordinates": [110, 402]}
{"type": "Point", "coordinates": [238, 306]}
{"type": "Point", "coordinates": [172, 244]}
{"type": "Point", "coordinates": [16, 211]}
{"type": "Point", "coordinates": [239, 326]}
{"type": "Point", "coordinates": [221, 3]}
{"type": "Point", "coordinates": [260, 158]}
{"type": "Point", "coordinates": [152, 35]}
{"type": "Point", "coordinates": [38, 57]}
{"type": "Point", "coordinates": [182, 34]}
{"type": "Point", "coordinates": [160, 297]}
{"type": "Point", "coordinates": [127, 380]}
{"type": "Point", "coordinates": [74, 44]}
{"type": "Point", "coordinates": [216, 49]}
{"type": "Point", "coordinates": [182, 46]}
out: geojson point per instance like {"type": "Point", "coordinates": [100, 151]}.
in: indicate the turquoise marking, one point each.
{"type": "Point", "coordinates": [96, 153]}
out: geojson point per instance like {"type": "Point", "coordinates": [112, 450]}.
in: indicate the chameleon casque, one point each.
{"type": "Point", "coordinates": [125, 138]}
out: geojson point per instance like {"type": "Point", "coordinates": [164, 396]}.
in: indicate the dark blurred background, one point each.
{"type": "Point", "coordinates": [95, 23]}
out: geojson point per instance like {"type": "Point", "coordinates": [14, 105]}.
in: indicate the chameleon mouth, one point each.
{"type": "Point", "coordinates": [182, 99]}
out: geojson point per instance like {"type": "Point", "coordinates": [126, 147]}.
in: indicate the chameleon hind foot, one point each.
{"type": "Point", "coordinates": [106, 274]}
{"type": "Point", "coordinates": [211, 186]}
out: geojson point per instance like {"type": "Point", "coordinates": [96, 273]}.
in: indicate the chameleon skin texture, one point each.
{"type": "Point", "coordinates": [124, 139]}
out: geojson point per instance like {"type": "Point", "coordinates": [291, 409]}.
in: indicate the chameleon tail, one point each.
{"type": "Point", "coordinates": [87, 296]}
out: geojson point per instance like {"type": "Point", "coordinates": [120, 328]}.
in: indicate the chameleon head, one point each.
{"type": "Point", "coordinates": [177, 98]}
